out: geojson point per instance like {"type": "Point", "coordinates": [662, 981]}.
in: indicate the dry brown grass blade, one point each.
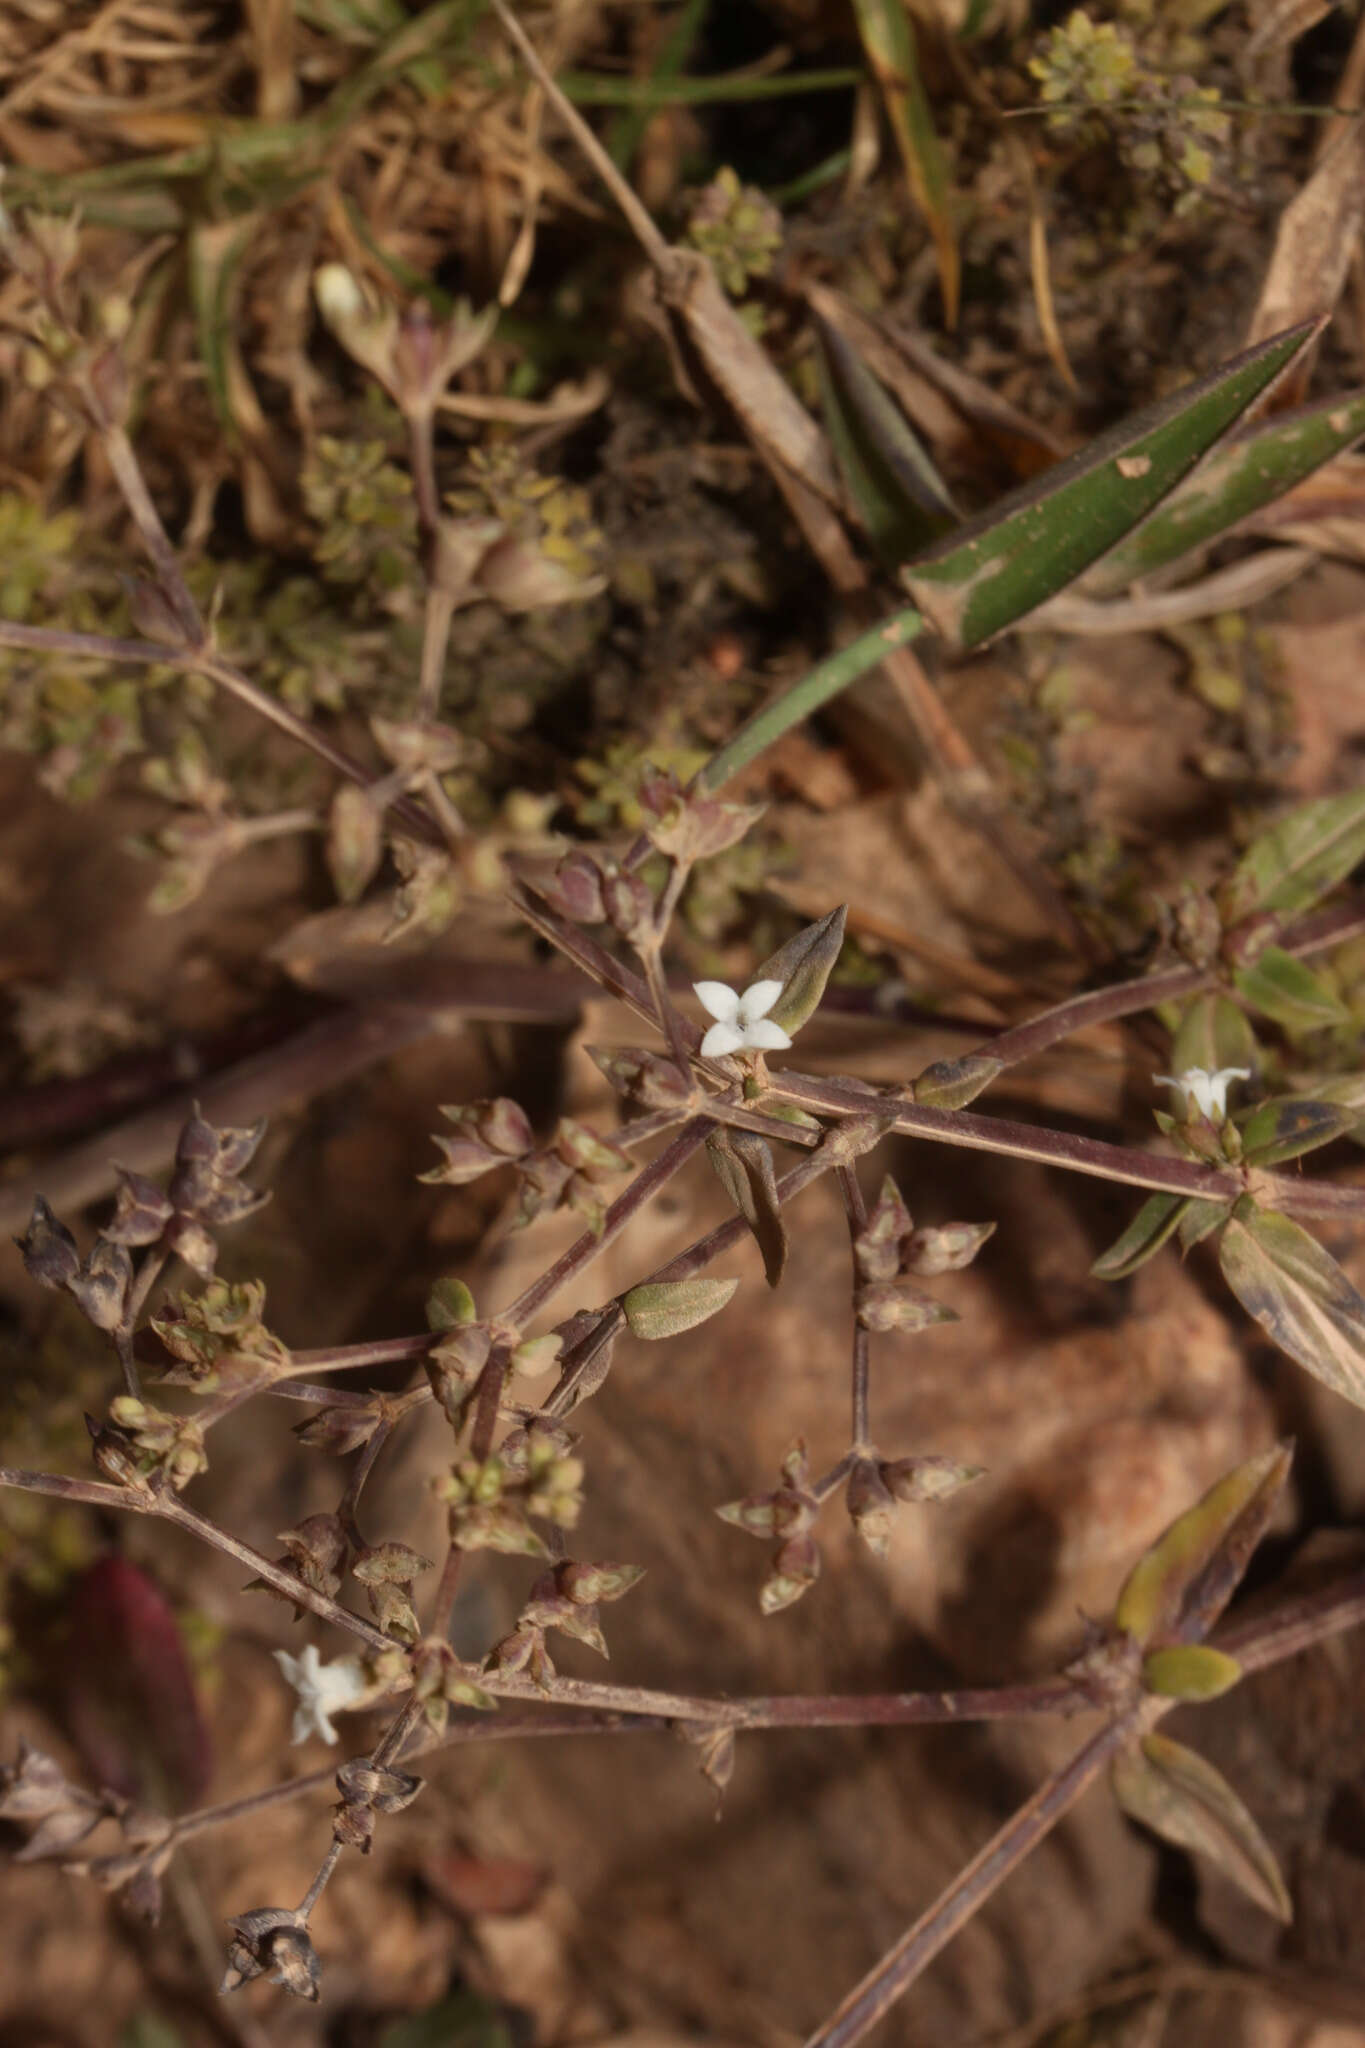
{"type": "Point", "coordinates": [270, 25]}
{"type": "Point", "coordinates": [1317, 237]}
{"type": "Point", "coordinates": [1040, 268]}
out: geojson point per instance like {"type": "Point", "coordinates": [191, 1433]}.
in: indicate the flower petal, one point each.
{"type": "Point", "coordinates": [720, 1039]}
{"type": "Point", "coordinates": [718, 999]}
{"type": "Point", "coordinates": [765, 1036]}
{"type": "Point", "coordinates": [758, 998]}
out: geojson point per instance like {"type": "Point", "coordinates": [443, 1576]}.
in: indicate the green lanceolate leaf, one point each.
{"type": "Point", "coordinates": [1155, 1221]}
{"type": "Point", "coordinates": [1181, 1584]}
{"type": "Point", "coordinates": [1289, 1125]}
{"type": "Point", "coordinates": [1250, 471]}
{"type": "Point", "coordinates": [1300, 859]}
{"type": "Point", "coordinates": [898, 494]}
{"type": "Point", "coordinates": [1180, 1797]}
{"type": "Point", "coordinates": [1298, 1294]}
{"type": "Point", "coordinates": [665, 1308]}
{"type": "Point", "coordinates": [1040, 539]}
{"type": "Point", "coordinates": [744, 1166]}
{"type": "Point", "coordinates": [1200, 1220]}
{"type": "Point", "coordinates": [1190, 1671]}
{"type": "Point", "coordinates": [1214, 1033]}
{"type": "Point", "coordinates": [952, 1084]}
{"type": "Point", "coordinates": [803, 966]}
{"type": "Point", "coordinates": [1283, 989]}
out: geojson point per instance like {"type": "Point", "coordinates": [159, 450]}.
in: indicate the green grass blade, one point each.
{"type": "Point", "coordinates": [625, 131]}
{"type": "Point", "coordinates": [1247, 473]}
{"type": "Point", "coordinates": [888, 35]}
{"type": "Point", "coordinates": [900, 497]}
{"type": "Point", "coordinates": [588, 89]}
{"type": "Point", "coordinates": [1039, 539]}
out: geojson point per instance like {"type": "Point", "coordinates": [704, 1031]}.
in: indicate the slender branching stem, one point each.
{"type": "Point", "coordinates": [856, 1210]}
{"type": "Point", "coordinates": [622, 1212]}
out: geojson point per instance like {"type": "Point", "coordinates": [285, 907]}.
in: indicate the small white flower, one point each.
{"type": "Point", "coordinates": [742, 1022]}
{"type": "Point", "coordinates": [323, 1690]}
{"type": "Point", "coordinates": [1207, 1092]}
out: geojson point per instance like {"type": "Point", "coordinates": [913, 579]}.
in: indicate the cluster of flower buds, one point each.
{"type": "Point", "coordinates": [441, 1681]}
{"type": "Point", "coordinates": [410, 354]}
{"type": "Point", "coordinates": [488, 1134]}
{"type": "Point", "coordinates": [570, 1173]}
{"type": "Point", "coordinates": [686, 825]}
{"type": "Point", "coordinates": [567, 1598]}
{"type": "Point", "coordinates": [878, 1486]}
{"type": "Point", "coordinates": [316, 1552]}
{"type": "Point", "coordinates": [592, 888]}
{"type": "Point", "coordinates": [647, 1080]}
{"type": "Point", "coordinates": [456, 1361]}
{"type": "Point", "coordinates": [368, 1790]}
{"type": "Point", "coordinates": [35, 1790]}
{"type": "Point", "coordinates": [144, 1448]}
{"type": "Point", "coordinates": [99, 1285]}
{"type": "Point", "coordinates": [889, 1248]}
{"type": "Point", "coordinates": [789, 1512]}
{"type": "Point", "coordinates": [387, 1572]}
{"type": "Point", "coordinates": [273, 1940]}
{"type": "Point", "coordinates": [218, 1330]}
{"type": "Point", "coordinates": [493, 1501]}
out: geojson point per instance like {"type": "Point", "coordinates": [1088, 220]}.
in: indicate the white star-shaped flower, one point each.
{"type": "Point", "coordinates": [323, 1690]}
{"type": "Point", "coordinates": [742, 1022]}
{"type": "Point", "coordinates": [1207, 1092]}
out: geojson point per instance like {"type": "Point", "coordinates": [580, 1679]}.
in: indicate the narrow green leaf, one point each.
{"type": "Point", "coordinates": [1214, 1033]}
{"type": "Point", "coordinates": [803, 966]}
{"type": "Point", "coordinates": [1249, 472]}
{"type": "Point", "coordinates": [899, 496]}
{"type": "Point", "coordinates": [1200, 1220]}
{"type": "Point", "coordinates": [888, 34]}
{"type": "Point", "coordinates": [744, 1166]}
{"type": "Point", "coordinates": [1298, 1294]}
{"type": "Point", "coordinates": [1168, 1586]}
{"type": "Point", "coordinates": [952, 1084]}
{"type": "Point", "coordinates": [1182, 1798]}
{"type": "Point", "coordinates": [1190, 1671]}
{"type": "Point", "coordinates": [1040, 538]}
{"type": "Point", "coordinates": [216, 250]}
{"type": "Point", "coordinates": [826, 680]}
{"type": "Point", "coordinates": [665, 1308]}
{"type": "Point", "coordinates": [1289, 1125]}
{"type": "Point", "coordinates": [1155, 1221]}
{"type": "Point", "coordinates": [1289, 993]}
{"type": "Point", "coordinates": [1300, 859]}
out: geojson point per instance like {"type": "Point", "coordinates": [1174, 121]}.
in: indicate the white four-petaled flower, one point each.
{"type": "Point", "coordinates": [1205, 1091]}
{"type": "Point", "coordinates": [742, 1022]}
{"type": "Point", "coordinates": [323, 1690]}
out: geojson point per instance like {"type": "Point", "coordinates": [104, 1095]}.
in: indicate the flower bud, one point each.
{"type": "Point", "coordinates": [895, 1305]}
{"type": "Point", "coordinates": [48, 1249]}
{"type": "Point", "coordinates": [102, 1286]}
{"type": "Point", "coordinates": [946, 1249]}
{"type": "Point", "coordinates": [796, 1567]}
{"type": "Point", "coordinates": [927, 1478]}
{"type": "Point", "coordinates": [871, 1505]}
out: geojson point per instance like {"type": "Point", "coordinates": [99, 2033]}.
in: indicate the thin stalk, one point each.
{"type": "Point", "coordinates": [319, 1884]}
{"type": "Point", "coordinates": [871, 2000]}
{"type": "Point", "coordinates": [622, 1211]}
{"type": "Point", "coordinates": [856, 1209]}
